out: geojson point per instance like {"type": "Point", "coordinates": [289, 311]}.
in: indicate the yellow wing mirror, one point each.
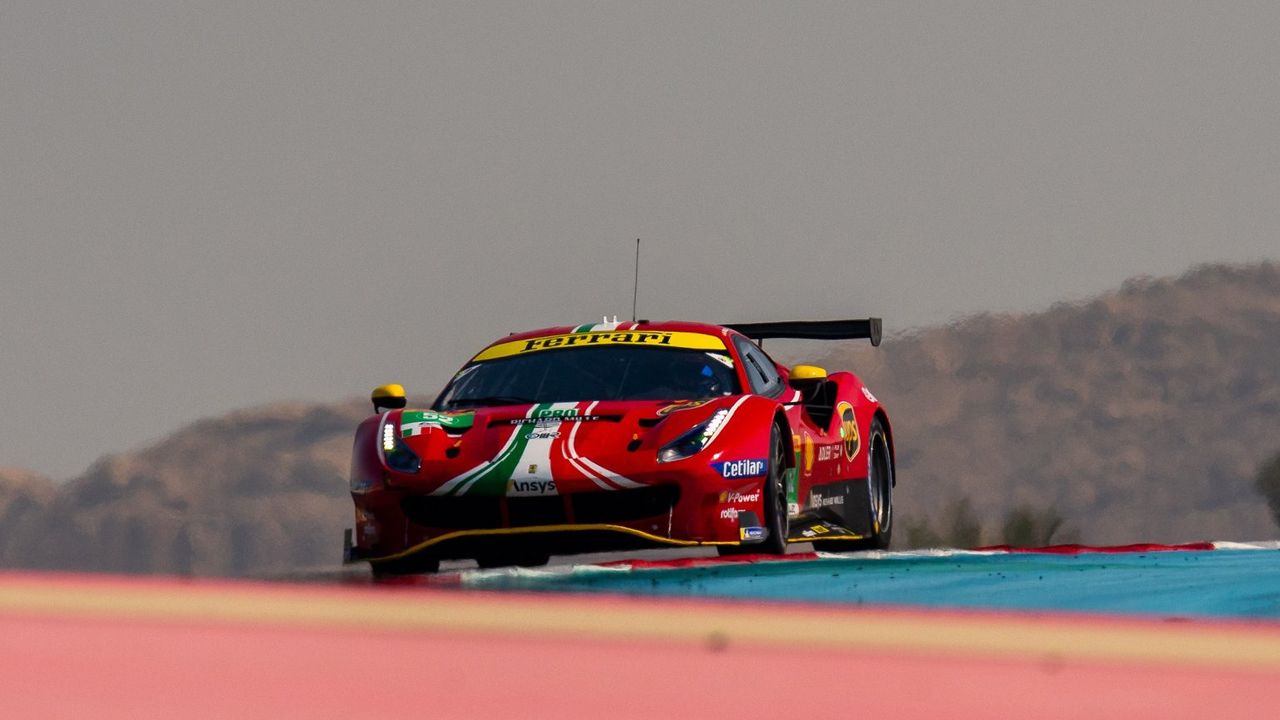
{"type": "Point", "coordinates": [807, 374]}
{"type": "Point", "coordinates": [389, 397]}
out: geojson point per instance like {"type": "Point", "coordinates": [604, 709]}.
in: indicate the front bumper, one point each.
{"type": "Point", "coordinates": [393, 524]}
{"type": "Point", "coordinates": [548, 539]}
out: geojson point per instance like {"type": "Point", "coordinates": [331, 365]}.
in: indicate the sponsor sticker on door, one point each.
{"type": "Point", "coordinates": [733, 469]}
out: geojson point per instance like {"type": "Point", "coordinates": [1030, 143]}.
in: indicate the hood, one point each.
{"type": "Point", "coordinates": [547, 448]}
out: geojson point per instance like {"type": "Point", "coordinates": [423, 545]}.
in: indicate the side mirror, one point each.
{"type": "Point", "coordinates": [816, 392]}
{"type": "Point", "coordinates": [807, 375]}
{"type": "Point", "coordinates": [390, 397]}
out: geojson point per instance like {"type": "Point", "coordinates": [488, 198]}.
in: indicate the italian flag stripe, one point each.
{"type": "Point", "coordinates": [492, 477]}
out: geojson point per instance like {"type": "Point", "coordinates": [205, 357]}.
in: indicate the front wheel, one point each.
{"type": "Point", "coordinates": [775, 503]}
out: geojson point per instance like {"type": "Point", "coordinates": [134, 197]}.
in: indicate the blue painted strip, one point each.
{"type": "Point", "coordinates": [1221, 583]}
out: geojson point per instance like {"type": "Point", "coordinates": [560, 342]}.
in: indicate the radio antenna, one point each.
{"type": "Point", "coordinates": [635, 293]}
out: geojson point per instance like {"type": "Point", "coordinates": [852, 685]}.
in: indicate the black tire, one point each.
{"type": "Point", "coordinates": [404, 566]}
{"type": "Point", "coordinates": [775, 504]}
{"type": "Point", "coordinates": [880, 479]}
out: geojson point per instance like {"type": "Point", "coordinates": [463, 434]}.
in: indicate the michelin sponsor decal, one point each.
{"type": "Point", "coordinates": [751, 534]}
{"type": "Point", "coordinates": [731, 469]}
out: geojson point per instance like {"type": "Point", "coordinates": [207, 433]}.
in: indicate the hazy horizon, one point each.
{"type": "Point", "coordinates": [212, 206]}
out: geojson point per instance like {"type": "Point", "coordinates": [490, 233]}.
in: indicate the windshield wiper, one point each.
{"type": "Point", "coordinates": [490, 401]}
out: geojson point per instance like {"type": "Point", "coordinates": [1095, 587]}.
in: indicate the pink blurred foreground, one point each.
{"type": "Point", "coordinates": [101, 647]}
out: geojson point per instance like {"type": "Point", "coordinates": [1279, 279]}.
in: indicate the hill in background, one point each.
{"type": "Point", "coordinates": [257, 491]}
{"type": "Point", "coordinates": [1142, 415]}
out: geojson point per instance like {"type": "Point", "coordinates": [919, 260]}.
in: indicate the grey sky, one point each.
{"type": "Point", "coordinates": [208, 206]}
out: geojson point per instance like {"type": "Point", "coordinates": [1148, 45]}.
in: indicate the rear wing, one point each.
{"type": "Point", "coordinates": [868, 329]}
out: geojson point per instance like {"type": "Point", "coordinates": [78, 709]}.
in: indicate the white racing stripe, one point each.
{"type": "Point", "coordinates": [600, 476]}
{"type": "Point", "coordinates": [570, 452]}
{"type": "Point", "coordinates": [532, 475]}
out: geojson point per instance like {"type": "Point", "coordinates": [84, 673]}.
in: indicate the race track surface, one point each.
{"type": "Point", "coordinates": [1225, 580]}
{"type": "Point", "coordinates": [109, 647]}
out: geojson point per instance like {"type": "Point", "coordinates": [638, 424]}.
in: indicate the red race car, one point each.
{"type": "Point", "coordinates": [618, 436]}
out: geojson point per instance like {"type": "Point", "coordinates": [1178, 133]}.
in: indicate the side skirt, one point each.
{"type": "Point", "coordinates": [834, 511]}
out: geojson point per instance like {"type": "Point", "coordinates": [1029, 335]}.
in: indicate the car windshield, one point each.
{"type": "Point", "coordinates": [592, 373]}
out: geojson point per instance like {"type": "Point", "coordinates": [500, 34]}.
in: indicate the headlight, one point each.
{"type": "Point", "coordinates": [695, 439]}
{"type": "Point", "coordinates": [395, 454]}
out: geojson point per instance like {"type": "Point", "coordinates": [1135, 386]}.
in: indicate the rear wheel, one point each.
{"type": "Point", "coordinates": [880, 487]}
{"type": "Point", "coordinates": [879, 497]}
{"type": "Point", "coordinates": [775, 503]}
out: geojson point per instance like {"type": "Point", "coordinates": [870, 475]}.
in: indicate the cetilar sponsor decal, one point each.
{"type": "Point", "coordinates": [683, 340]}
{"type": "Point", "coordinates": [739, 468]}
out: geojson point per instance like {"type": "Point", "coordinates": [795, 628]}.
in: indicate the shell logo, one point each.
{"type": "Point", "coordinates": [808, 453]}
{"type": "Point", "coordinates": [848, 429]}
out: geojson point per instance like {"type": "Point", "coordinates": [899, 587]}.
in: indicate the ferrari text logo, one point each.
{"type": "Point", "coordinates": [661, 339]}
{"type": "Point", "coordinates": [598, 338]}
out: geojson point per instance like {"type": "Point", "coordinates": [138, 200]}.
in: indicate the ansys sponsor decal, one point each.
{"type": "Point", "coordinates": [848, 429]}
